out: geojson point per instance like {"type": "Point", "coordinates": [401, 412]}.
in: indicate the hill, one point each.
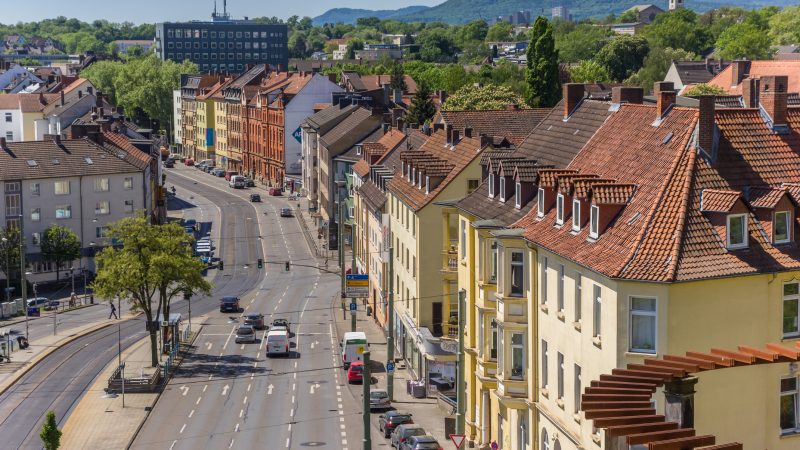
{"type": "Point", "coordinates": [350, 15]}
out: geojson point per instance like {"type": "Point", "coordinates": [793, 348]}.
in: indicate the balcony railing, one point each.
{"type": "Point", "coordinates": [450, 262]}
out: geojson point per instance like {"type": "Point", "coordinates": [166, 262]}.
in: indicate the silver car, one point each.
{"type": "Point", "coordinates": [245, 334]}
{"type": "Point", "coordinates": [424, 442]}
{"type": "Point", "coordinates": [379, 399]}
{"type": "Point", "coordinates": [405, 431]}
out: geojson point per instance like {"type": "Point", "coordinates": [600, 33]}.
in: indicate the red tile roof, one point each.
{"type": "Point", "coordinates": [713, 200]}
{"type": "Point", "coordinates": [512, 124]}
{"type": "Point", "coordinates": [361, 168]}
{"type": "Point", "coordinates": [758, 69]}
{"type": "Point", "coordinates": [612, 193]}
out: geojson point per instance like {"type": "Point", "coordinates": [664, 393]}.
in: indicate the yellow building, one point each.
{"type": "Point", "coordinates": [206, 121]}
{"type": "Point", "coordinates": [220, 127]}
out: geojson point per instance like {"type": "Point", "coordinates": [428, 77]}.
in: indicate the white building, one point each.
{"type": "Point", "coordinates": [177, 125]}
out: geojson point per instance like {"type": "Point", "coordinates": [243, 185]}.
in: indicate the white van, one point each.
{"type": "Point", "coordinates": [277, 343]}
{"type": "Point", "coordinates": [237, 182]}
{"type": "Point", "coordinates": [354, 344]}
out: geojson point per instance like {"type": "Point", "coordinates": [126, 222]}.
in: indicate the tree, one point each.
{"type": "Point", "coordinates": [352, 47]}
{"type": "Point", "coordinates": [657, 63]}
{"type": "Point", "coordinates": [474, 31]}
{"type": "Point", "coordinates": [398, 80]}
{"type": "Point", "coordinates": [629, 16]}
{"type": "Point", "coordinates": [677, 29]}
{"type": "Point", "coordinates": [150, 267]}
{"type": "Point", "coordinates": [9, 251]}
{"type": "Point", "coordinates": [544, 86]}
{"type": "Point", "coordinates": [704, 89]}
{"type": "Point", "coordinates": [487, 97]}
{"type": "Point", "coordinates": [744, 40]}
{"type": "Point", "coordinates": [623, 56]}
{"type": "Point", "coordinates": [60, 245]}
{"type": "Point", "coordinates": [784, 27]}
{"type": "Point", "coordinates": [581, 43]}
{"type": "Point", "coordinates": [436, 45]}
{"type": "Point", "coordinates": [589, 71]}
{"type": "Point", "coordinates": [422, 108]}
{"type": "Point", "coordinates": [500, 32]}
{"type": "Point", "coordinates": [102, 75]}
{"type": "Point", "coordinates": [50, 434]}
{"type": "Point", "coordinates": [297, 44]}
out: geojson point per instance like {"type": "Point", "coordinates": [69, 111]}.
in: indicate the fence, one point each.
{"type": "Point", "coordinates": [134, 385]}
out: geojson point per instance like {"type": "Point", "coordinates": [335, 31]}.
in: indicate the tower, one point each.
{"type": "Point", "coordinates": [675, 4]}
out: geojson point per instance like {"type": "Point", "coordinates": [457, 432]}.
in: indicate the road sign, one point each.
{"type": "Point", "coordinates": [390, 367]}
{"type": "Point", "coordinates": [458, 440]}
{"type": "Point", "coordinates": [165, 323]}
{"type": "Point", "coordinates": [353, 306]}
{"type": "Point", "coordinates": [357, 286]}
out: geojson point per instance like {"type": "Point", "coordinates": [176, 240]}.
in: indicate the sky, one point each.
{"type": "Point", "coordinates": [152, 11]}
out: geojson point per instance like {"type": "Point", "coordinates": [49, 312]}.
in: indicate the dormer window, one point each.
{"type": "Point", "coordinates": [502, 189]}
{"type": "Point", "coordinates": [491, 185]}
{"type": "Point", "coordinates": [560, 210]}
{"type": "Point", "coordinates": [576, 215]}
{"type": "Point", "coordinates": [358, 150]}
{"type": "Point", "coordinates": [737, 231]}
{"type": "Point", "coordinates": [540, 203]}
{"type": "Point", "coordinates": [413, 174]}
{"type": "Point", "coordinates": [427, 185]}
{"type": "Point", "coordinates": [782, 227]}
{"type": "Point", "coordinates": [594, 222]}
{"type": "Point", "coordinates": [518, 195]}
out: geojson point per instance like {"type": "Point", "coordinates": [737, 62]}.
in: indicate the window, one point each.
{"type": "Point", "coordinates": [578, 296]}
{"type": "Point", "coordinates": [517, 356]}
{"type": "Point", "coordinates": [493, 347]}
{"type": "Point", "coordinates": [503, 189]}
{"type": "Point", "coordinates": [577, 386]}
{"type": "Point", "coordinates": [540, 203]}
{"type": "Point", "coordinates": [576, 215]}
{"type": "Point", "coordinates": [493, 262]}
{"type": "Point", "coordinates": [472, 185]}
{"type": "Point", "coordinates": [560, 210]}
{"type": "Point", "coordinates": [8, 117]}
{"type": "Point", "coordinates": [737, 231]}
{"type": "Point", "coordinates": [463, 243]}
{"type": "Point", "coordinates": [597, 311]}
{"type": "Point", "coordinates": [561, 287]}
{"type": "Point", "coordinates": [782, 232]}
{"type": "Point", "coordinates": [788, 413]}
{"type": "Point", "coordinates": [481, 331]}
{"type": "Point", "coordinates": [545, 441]}
{"type": "Point", "coordinates": [128, 206]}
{"type": "Point", "coordinates": [791, 312]}
{"type": "Point", "coordinates": [544, 280]}
{"type": "Point", "coordinates": [102, 208]}
{"type": "Point", "coordinates": [62, 187]}
{"type": "Point", "coordinates": [643, 325]}
{"type": "Point", "coordinates": [491, 185]}
{"type": "Point", "coordinates": [36, 214]}
{"type": "Point", "coordinates": [544, 365]}
{"type": "Point", "coordinates": [594, 222]}
{"type": "Point", "coordinates": [517, 273]}
{"type": "Point", "coordinates": [36, 239]}
{"type": "Point", "coordinates": [64, 212]}
{"type": "Point", "coordinates": [518, 195]}
{"type": "Point", "coordinates": [100, 232]}
{"type": "Point", "coordinates": [9, 136]}
{"type": "Point", "coordinates": [101, 185]}
{"type": "Point", "coordinates": [560, 370]}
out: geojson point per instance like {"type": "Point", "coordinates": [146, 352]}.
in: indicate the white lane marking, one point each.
{"type": "Point", "coordinates": [231, 444]}
{"type": "Point", "coordinates": [291, 412]}
{"type": "Point", "coordinates": [255, 364]}
{"type": "Point", "coordinates": [191, 414]}
{"type": "Point", "coordinates": [198, 400]}
{"type": "Point", "coordinates": [182, 428]}
{"type": "Point", "coordinates": [209, 345]}
{"type": "Point", "coordinates": [225, 389]}
{"type": "Point", "coordinates": [237, 428]}
{"type": "Point", "coordinates": [249, 385]}
{"type": "Point", "coordinates": [294, 375]}
{"type": "Point", "coordinates": [228, 340]}
{"type": "Point", "coordinates": [184, 390]}
{"type": "Point", "coordinates": [210, 377]}
{"type": "Point", "coordinates": [287, 442]}
{"type": "Point", "coordinates": [242, 347]}
{"type": "Point", "coordinates": [204, 388]}
{"type": "Point", "coordinates": [173, 444]}
{"type": "Point", "coordinates": [343, 433]}
{"type": "Point", "coordinates": [241, 413]}
{"type": "Point", "coordinates": [293, 399]}
{"type": "Point", "coordinates": [294, 387]}
{"type": "Point", "coordinates": [341, 426]}
{"type": "Point", "coordinates": [245, 400]}
{"type": "Point", "coordinates": [269, 389]}
{"type": "Point", "coordinates": [341, 419]}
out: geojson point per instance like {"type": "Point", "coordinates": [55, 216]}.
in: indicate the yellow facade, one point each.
{"type": "Point", "coordinates": [29, 125]}
{"type": "Point", "coordinates": [221, 134]}
{"type": "Point", "coordinates": [204, 129]}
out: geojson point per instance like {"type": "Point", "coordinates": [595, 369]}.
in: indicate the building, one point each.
{"type": "Point", "coordinates": [191, 87]}
{"type": "Point", "coordinates": [206, 121]}
{"type": "Point", "coordinates": [223, 44]}
{"type": "Point", "coordinates": [123, 45]}
{"type": "Point", "coordinates": [684, 73]}
{"type": "Point", "coordinates": [83, 184]}
{"type": "Point", "coordinates": [561, 12]}
{"type": "Point", "coordinates": [237, 95]}
{"type": "Point", "coordinates": [518, 18]}
{"type": "Point", "coordinates": [177, 125]}
{"type": "Point", "coordinates": [377, 52]}
{"type": "Point", "coordinates": [625, 28]}
{"type": "Point", "coordinates": [508, 126]}
{"type": "Point", "coordinates": [16, 78]}
{"type": "Point", "coordinates": [675, 4]}
{"type": "Point", "coordinates": [733, 78]}
{"type": "Point", "coordinates": [646, 13]}
{"type": "Point", "coordinates": [340, 53]}
{"type": "Point", "coordinates": [19, 113]}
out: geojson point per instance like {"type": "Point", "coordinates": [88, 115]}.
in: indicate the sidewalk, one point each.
{"type": "Point", "coordinates": [426, 411]}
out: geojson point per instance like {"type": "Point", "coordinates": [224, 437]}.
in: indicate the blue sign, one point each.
{"type": "Point", "coordinates": [33, 311]}
{"type": "Point", "coordinates": [353, 306]}
{"type": "Point", "coordinates": [298, 135]}
{"type": "Point", "coordinates": [390, 367]}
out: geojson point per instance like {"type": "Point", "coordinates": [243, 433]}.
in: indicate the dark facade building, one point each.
{"type": "Point", "coordinates": [223, 44]}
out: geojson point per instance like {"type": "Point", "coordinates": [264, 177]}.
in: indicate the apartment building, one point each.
{"type": "Point", "coordinates": [191, 87]}
{"type": "Point", "coordinates": [206, 120]}
{"type": "Point", "coordinates": [177, 126]}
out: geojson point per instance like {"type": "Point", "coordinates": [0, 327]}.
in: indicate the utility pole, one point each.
{"type": "Point", "coordinates": [8, 277]}
{"type": "Point", "coordinates": [461, 400]}
{"type": "Point", "coordinates": [390, 337]}
{"type": "Point", "coordinates": [340, 245]}
{"type": "Point", "coordinates": [24, 288]}
{"type": "Point", "coordinates": [353, 271]}
{"type": "Point", "coordinates": [366, 382]}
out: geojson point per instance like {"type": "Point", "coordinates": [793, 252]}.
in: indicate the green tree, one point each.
{"type": "Point", "coordinates": [784, 27]}
{"type": "Point", "coordinates": [544, 86]}
{"type": "Point", "coordinates": [352, 47]}
{"type": "Point", "coordinates": [102, 75]}
{"type": "Point", "coordinates": [436, 45]}
{"type": "Point", "coordinates": [581, 43]}
{"type": "Point", "coordinates": [9, 252]}
{"type": "Point", "coordinates": [718, 20]}
{"type": "Point", "coordinates": [60, 245]}
{"type": "Point", "coordinates": [422, 108]}
{"type": "Point", "coordinates": [151, 266]}
{"type": "Point", "coordinates": [629, 16]}
{"type": "Point", "coordinates": [657, 63]}
{"type": "Point", "coordinates": [500, 32]}
{"type": "Point", "coordinates": [398, 80]}
{"type": "Point", "coordinates": [50, 434]}
{"type": "Point", "coordinates": [623, 56]}
{"type": "Point", "coordinates": [589, 71]}
{"type": "Point", "coordinates": [704, 89]}
{"type": "Point", "coordinates": [679, 30]}
{"type": "Point", "coordinates": [470, 98]}
{"type": "Point", "coordinates": [744, 40]}
{"type": "Point", "coordinates": [474, 31]}
{"type": "Point", "coordinates": [297, 44]}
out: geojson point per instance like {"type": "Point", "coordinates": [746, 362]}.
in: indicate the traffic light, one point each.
{"type": "Point", "coordinates": [221, 265]}
{"type": "Point", "coordinates": [288, 264]}
{"type": "Point", "coordinates": [260, 263]}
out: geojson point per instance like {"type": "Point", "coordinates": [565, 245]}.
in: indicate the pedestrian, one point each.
{"type": "Point", "coordinates": [113, 311]}
{"type": "Point", "coordinates": [73, 299]}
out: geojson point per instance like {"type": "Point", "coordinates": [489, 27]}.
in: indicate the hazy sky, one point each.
{"type": "Point", "coordinates": [170, 10]}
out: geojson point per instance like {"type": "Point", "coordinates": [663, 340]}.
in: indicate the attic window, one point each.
{"type": "Point", "coordinates": [427, 185]}
{"type": "Point", "coordinates": [56, 162]}
{"type": "Point", "coordinates": [540, 203]}
{"type": "Point", "coordinates": [358, 150]}
{"type": "Point", "coordinates": [594, 222]}
{"type": "Point", "coordinates": [89, 160]}
{"type": "Point", "coordinates": [667, 138]}
{"type": "Point", "coordinates": [576, 215]}
{"type": "Point", "coordinates": [32, 163]}
{"type": "Point", "coordinates": [737, 231]}
{"type": "Point", "coordinates": [491, 185]}
{"type": "Point", "coordinates": [503, 189]}
{"type": "Point", "coordinates": [518, 195]}
{"type": "Point", "coordinates": [782, 227]}
{"type": "Point", "coordinates": [560, 209]}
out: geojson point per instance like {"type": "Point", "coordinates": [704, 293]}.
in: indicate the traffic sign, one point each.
{"type": "Point", "coordinates": [390, 367]}
{"type": "Point", "coordinates": [357, 286]}
{"type": "Point", "coordinates": [353, 306]}
{"type": "Point", "coordinates": [298, 135]}
{"type": "Point", "coordinates": [458, 440]}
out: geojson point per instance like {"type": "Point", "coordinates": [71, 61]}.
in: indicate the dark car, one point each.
{"type": "Point", "coordinates": [248, 182]}
{"type": "Point", "coordinates": [255, 198]}
{"type": "Point", "coordinates": [424, 442]}
{"type": "Point", "coordinates": [389, 421]}
{"type": "Point", "coordinates": [229, 304]}
{"type": "Point", "coordinates": [218, 173]}
{"type": "Point", "coordinates": [286, 212]}
{"type": "Point", "coordinates": [255, 320]}
{"type": "Point", "coordinates": [402, 432]}
{"type": "Point", "coordinates": [169, 164]}
{"type": "Point", "coordinates": [275, 192]}
{"type": "Point", "coordinates": [52, 305]}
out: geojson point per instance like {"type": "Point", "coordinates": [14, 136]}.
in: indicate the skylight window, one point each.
{"type": "Point", "coordinates": [56, 162]}
{"type": "Point", "coordinates": [89, 160]}
{"type": "Point", "coordinates": [32, 163]}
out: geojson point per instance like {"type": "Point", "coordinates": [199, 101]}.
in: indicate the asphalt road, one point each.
{"type": "Point", "coordinates": [59, 381]}
{"type": "Point", "coordinates": [228, 395]}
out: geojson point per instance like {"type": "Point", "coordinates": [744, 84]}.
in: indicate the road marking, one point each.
{"type": "Point", "coordinates": [287, 442]}
{"type": "Point", "coordinates": [249, 385]}
{"type": "Point", "coordinates": [294, 375]}
{"type": "Point", "coordinates": [294, 387]}
{"type": "Point", "coordinates": [231, 444]}
{"type": "Point", "coordinates": [340, 406]}
{"type": "Point", "coordinates": [173, 444]}
{"type": "Point", "coordinates": [191, 414]}
{"type": "Point", "coordinates": [293, 399]}
{"type": "Point", "coordinates": [209, 345]}
{"type": "Point", "coordinates": [258, 356]}
{"type": "Point", "coordinates": [343, 433]}
{"type": "Point", "coordinates": [182, 428]}
{"type": "Point", "coordinates": [242, 347]}
{"type": "Point", "coordinates": [225, 389]}
{"type": "Point", "coordinates": [245, 400]}
{"type": "Point", "coordinates": [204, 388]}
{"type": "Point", "coordinates": [255, 364]}
{"type": "Point", "coordinates": [295, 364]}
{"type": "Point", "coordinates": [198, 400]}
{"type": "Point", "coordinates": [291, 412]}
{"type": "Point", "coordinates": [237, 428]}
{"type": "Point", "coordinates": [241, 413]}
{"type": "Point", "coordinates": [269, 389]}
{"type": "Point", "coordinates": [184, 390]}
{"type": "Point", "coordinates": [228, 340]}
{"type": "Point", "coordinates": [341, 426]}
{"type": "Point", "coordinates": [210, 377]}
{"type": "Point", "coordinates": [313, 388]}
{"type": "Point", "coordinates": [341, 419]}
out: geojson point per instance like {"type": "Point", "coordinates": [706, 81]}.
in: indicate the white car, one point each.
{"type": "Point", "coordinates": [277, 343]}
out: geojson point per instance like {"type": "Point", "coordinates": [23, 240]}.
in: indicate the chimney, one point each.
{"type": "Point", "coordinates": [57, 139]}
{"type": "Point", "coordinates": [705, 125]}
{"type": "Point", "coordinates": [80, 94]}
{"type": "Point", "coordinates": [386, 127]}
{"type": "Point", "coordinates": [739, 71]}
{"type": "Point", "coordinates": [456, 137]}
{"type": "Point", "coordinates": [751, 88]}
{"type": "Point", "coordinates": [62, 98]}
{"type": "Point", "coordinates": [449, 131]}
{"type": "Point", "coordinates": [98, 99]}
{"type": "Point", "coordinates": [468, 132]}
{"type": "Point", "coordinates": [665, 96]}
{"type": "Point", "coordinates": [90, 90]}
{"type": "Point", "coordinates": [401, 126]}
{"type": "Point", "coordinates": [387, 89]}
{"type": "Point", "coordinates": [627, 94]}
{"type": "Point", "coordinates": [485, 141]}
{"type": "Point", "coordinates": [774, 99]}
{"type": "Point", "coordinates": [573, 94]}
{"type": "Point", "coordinates": [3, 143]}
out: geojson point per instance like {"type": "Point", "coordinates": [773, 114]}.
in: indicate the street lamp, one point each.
{"type": "Point", "coordinates": [8, 277]}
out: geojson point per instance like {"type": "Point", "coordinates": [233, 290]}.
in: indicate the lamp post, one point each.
{"type": "Point", "coordinates": [8, 277]}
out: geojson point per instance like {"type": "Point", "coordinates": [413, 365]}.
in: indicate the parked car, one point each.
{"type": "Point", "coordinates": [379, 399]}
{"type": "Point", "coordinates": [188, 162]}
{"type": "Point", "coordinates": [275, 192]}
{"type": "Point", "coordinates": [229, 304]}
{"type": "Point", "coordinates": [255, 320]}
{"type": "Point", "coordinates": [424, 442]}
{"type": "Point", "coordinates": [52, 305]}
{"type": "Point", "coordinates": [388, 421]}
{"type": "Point", "coordinates": [169, 164]}
{"type": "Point", "coordinates": [402, 432]}
{"type": "Point", "coordinates": [230, 173]}
{"type": "Point", "coordinates": [38, 302]}
{"type": "Point", "coordinates": [255, 198]}
{"type": "Point", "coordinates": [245, 334]}
{"type": "Point", "coordinates": [236, 182]}
{"type": "Point", "coordinates": [190, 223]}
{"type": "Point", "coordinates": [218, 173]}
{"type": "Point", "coordinates": [280, 323]}
{"type": "Point", "coordinates": [248, 182]}
{"type": "Point", "coordinates": [355, 374]}
{"type": "Point", "coordinates": [286, 212]}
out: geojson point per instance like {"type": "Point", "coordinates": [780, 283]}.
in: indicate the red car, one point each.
{"type": "Point", "coordinates": [355, 373]}
{"type": "Point", "coordinates": [188, 161]}
{"type": "Point", "coordinates": [275, 192]}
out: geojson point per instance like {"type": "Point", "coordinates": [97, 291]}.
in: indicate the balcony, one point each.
{"type": "Point", "coordinates": [486, 370]}
{"type": "Point", "coordinates": [512, 388]}
{"type": "Point", "coordinates": [450, 262]}
{"type": "Point", "coordinates": [512, 309]}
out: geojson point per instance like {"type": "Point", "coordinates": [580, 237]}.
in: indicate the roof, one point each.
{"type": "Point", "coordinates": [387, 142]}
{"type": "Point", "coordinates": [695, 72]}
{"type": "Point", "coordinates": [714, 200]}
{"type": "Point", "coordinates": [758, 69]}
{"type": "Point", "coordinates": [361, 168]}
{"type": "Point", "coordinates": [355, 127]}
{"type": "Point", "coordinates": [434, 157]}
{"type": "Point", "coordinates": [373, 195]}
{"type": "Point", "coordinates": [327, 118]}
{"type": "Point", "coordinates": [26, 102]}
{"type": "Point", "coordinates": [73, 157]}
{"type": "Point", "coordinates": [512, 124]}
{"type": "Point", "coordinates": [135, 156]}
